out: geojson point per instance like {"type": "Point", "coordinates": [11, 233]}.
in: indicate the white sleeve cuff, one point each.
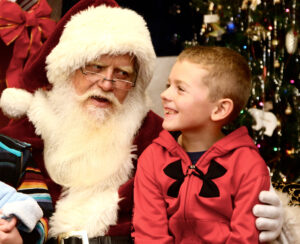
{"type": "Point", "coordinates": [27, 211]}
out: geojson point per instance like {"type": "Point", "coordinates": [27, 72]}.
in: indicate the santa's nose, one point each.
{"type": "Point", "coordinates": [107, 82]}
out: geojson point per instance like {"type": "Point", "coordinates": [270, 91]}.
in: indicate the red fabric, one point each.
{"type": "Point", "coordinates": [14, 27]}
{"type": "Point", "coordinates": [6, 51]}
{"type": "Point", "coordinates": [189, 217]}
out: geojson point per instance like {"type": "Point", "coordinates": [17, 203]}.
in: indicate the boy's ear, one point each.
{"type": "Point", "coordinates": [222, 109]}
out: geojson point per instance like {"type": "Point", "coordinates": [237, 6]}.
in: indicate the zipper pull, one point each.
{"type": "Point", "coordinates": [190, 169]}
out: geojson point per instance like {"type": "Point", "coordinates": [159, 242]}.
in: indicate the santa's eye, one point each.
{"type": "Point", "coordinates": [93, 68]}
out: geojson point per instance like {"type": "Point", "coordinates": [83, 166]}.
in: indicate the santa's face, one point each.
{"type": "Point", "coordinates": [98, 120]}
{"type": "Point", "coordinates": [102, 81]}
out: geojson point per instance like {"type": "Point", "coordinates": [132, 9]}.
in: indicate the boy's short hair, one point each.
{"type": "Point", "coordinates": [229, 74]}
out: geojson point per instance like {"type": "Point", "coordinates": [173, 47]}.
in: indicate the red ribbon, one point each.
{"type": "Point", "coordinates": [15, 25]}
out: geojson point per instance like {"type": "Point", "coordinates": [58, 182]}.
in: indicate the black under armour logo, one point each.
{"type": "Point", "coordinates": [209, 188]}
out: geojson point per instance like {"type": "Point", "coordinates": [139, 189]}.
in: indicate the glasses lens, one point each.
{"type": "Point", "coordinates": [93, 68]}
{"type": "Point", "coordinates": [92, 76]}
{"type": "Point", "coordinates": [122, 84]}
{"type": "Point", "coordinates": [90, 71]}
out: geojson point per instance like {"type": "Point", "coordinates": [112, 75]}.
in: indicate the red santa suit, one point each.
{"type": "Point", "coordinates": [209, 202]}
{"type": "Point", "coordinates": [89, 168]}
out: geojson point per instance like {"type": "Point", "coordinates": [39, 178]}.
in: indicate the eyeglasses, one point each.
{"type": "Point", "coordinates": [116, 82]}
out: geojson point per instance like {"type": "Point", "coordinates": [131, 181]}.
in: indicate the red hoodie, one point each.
{"type": "Point", "coordinates": [209, 202]}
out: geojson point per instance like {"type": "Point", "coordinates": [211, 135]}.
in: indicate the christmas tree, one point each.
{"type": "Point", "coordinates": [267, 34]}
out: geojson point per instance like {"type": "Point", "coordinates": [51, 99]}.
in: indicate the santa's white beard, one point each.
{"type": "Point", "coordinates": [89, 146]}
{"type": "Point", "coordinates": [88, 152]}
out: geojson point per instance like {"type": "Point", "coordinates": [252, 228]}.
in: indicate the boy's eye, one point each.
{"type": "Point", "coordinates": [167, 85]}
{"type": "Point", "coordinates": [180, 88]}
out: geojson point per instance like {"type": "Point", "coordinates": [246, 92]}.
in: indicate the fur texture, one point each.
{"type": "Point", "coordinates": [97, 31]}
{"type": "Point", "coordinates": [291, 223]}
{"type": "Point", "coordinates": [89, 159]}
{"type": "Point", "coordinates": [15, 102]}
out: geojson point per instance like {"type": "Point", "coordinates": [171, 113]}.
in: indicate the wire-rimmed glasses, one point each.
{"type": "Point", "coordinates": [96, 76]}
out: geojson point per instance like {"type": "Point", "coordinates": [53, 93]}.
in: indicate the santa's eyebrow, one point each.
{"type": "Point", "coordinates": [127, 68]}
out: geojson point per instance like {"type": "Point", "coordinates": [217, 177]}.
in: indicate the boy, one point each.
{"type": "Point", "coordinates": [194, 184]}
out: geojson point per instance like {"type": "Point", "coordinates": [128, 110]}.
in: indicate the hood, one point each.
{"type": "Point", "coordinates": [236, 139]}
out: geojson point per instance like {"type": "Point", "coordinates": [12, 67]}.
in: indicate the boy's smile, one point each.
{"type": "Point", "coordinates": [169, 111]}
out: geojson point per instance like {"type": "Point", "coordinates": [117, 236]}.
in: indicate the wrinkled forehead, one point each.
{"type": "Point", "coordinates": [125, 61]}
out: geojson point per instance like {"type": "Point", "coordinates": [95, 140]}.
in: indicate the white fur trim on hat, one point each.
{"type": "Point", "coordinates": [97, 31]}
{"type": "Point", "coordinates": [15, 102]}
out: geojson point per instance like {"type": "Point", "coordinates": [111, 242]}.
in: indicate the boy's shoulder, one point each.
{"type": "Point", "coordinates": [242, 153]}
{"type": "Point", "coordinates": [247, 163]}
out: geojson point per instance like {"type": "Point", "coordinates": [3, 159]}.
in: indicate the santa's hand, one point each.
{"type": "Point", "coordinates": [270, 216]}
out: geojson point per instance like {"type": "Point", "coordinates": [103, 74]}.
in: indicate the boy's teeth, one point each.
{"type": "Point", "coordinates": [170, 112]}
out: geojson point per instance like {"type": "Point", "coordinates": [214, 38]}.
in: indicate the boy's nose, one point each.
{"type": "Point", "coordinates": [165, 95]}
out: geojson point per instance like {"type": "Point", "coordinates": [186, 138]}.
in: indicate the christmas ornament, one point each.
{"type": "Point", "coordinates": [291, 41]}
{"type": "Point", "coordinates": [266, 120]}
{"type": "Point", "coordinates": [217, 32]}
{"type": "Point", "coordinates": [288, 109]}
{"type": "Point", "coordinates": [252, 3]}
{"type": "Point", "coordinates": [256, 32]}
{"type": "Point", "coordinates": [231, 27]}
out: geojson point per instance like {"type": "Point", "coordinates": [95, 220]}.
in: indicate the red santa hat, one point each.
{"type": "Point", "coordinates": [88, 30]}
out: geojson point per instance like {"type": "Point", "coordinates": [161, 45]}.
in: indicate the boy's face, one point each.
{"type": "Point", "coordinates": [187, 107]}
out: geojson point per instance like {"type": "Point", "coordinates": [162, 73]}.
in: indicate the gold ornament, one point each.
{"type": "Point", "coordinates": [276, 63]}
{"type": "Point", "coordinates": [290, 151]}
{"type": "Point", "coordinates": [217, 32]}
{"type": "Point", "coordinates": [257, 32]}
{"type": "Point", "coordinates": [252, 3]}
{"type": "Point", "coordinates": [275, 42]}
{"type": "Point", "coordinates": [288, 109]}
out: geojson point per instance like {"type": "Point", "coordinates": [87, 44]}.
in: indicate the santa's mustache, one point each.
{"type": "Point", "coordinates": [99, 95]}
